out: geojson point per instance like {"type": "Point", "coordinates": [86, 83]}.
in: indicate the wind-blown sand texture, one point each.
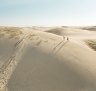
{"type": "Point", "coordinates": [91, 43]}
{"type": "Point", "coordinates": [46, 60]}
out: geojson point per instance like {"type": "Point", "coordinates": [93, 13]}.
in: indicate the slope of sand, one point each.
{"type": "Point", "coordinates": [91, 43]}
{"type": "Point", "coordinates": [73, 32]}
{"type": "Point", "coordinates": [40, 61]}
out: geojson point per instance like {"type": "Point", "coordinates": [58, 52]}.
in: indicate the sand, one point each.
{"type": "Point", "coordinates": [41, 61]}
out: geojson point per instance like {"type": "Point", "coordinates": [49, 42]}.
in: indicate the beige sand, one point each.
{"type": "Point", "coordinates": [41, 61]}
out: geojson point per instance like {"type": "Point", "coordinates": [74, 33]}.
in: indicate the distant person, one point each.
{"type": "Point", "coordinates": [64, 37]}
{"type": "Point", "coordinates": [67, 38]}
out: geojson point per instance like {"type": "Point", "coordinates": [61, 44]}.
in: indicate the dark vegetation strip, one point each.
{"type": "Point", "coordinates": [91, 43]}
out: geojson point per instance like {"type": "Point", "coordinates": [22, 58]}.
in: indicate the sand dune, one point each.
{"type": "Point", "coordinates": [40, 61]}
{"type": "Point", "coordinates": [73, 32]}
{"type": "Point", "coordinates": [91, 43]}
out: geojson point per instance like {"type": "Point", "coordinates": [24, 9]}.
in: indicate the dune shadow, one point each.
{"type": "Point", "coordinates": [38, 71]}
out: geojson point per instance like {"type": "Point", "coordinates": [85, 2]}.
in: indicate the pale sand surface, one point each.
{"type": "Point", "coordinates": [41, 61]}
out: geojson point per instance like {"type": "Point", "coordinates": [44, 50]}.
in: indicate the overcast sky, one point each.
{"type": "Point", "coordinates": [47, 12]}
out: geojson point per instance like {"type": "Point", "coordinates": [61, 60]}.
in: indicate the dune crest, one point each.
{"type": "Point", "coordinates": [39, 61]}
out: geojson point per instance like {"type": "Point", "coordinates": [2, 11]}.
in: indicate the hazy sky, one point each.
{"type": "Point", "coordinates": [47, 12]}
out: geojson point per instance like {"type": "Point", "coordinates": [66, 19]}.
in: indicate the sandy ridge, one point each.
{"type": "Point", "coordinates": [5, 72]}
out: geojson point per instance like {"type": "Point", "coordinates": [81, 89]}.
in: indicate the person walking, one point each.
{"type": "Point", "coordinates": [64, 37]}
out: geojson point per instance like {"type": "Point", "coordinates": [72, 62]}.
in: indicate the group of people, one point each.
{"type": "Point", "coordinates": [64, 38]}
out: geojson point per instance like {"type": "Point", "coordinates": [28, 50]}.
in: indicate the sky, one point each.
{"type": "Point", "coordinates": [47, 12]}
